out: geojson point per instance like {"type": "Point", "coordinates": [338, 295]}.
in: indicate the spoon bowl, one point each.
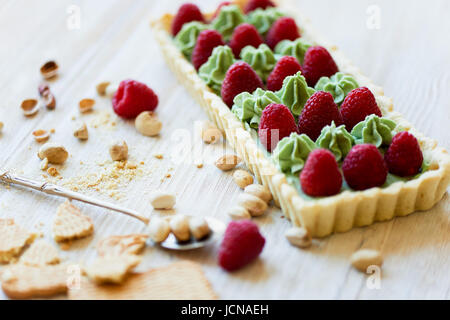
{"type": "Point", "coordinates": [171, 243]}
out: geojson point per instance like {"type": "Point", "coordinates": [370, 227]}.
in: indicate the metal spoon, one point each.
{"type": "Point", "coordinates": [217, 227]}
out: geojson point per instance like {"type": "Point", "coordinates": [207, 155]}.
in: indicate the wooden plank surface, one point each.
{"type": "Point", "coordinates": [409, 55]}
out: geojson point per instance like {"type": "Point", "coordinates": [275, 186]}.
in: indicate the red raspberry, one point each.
{"type": "Point", "coordinates": [404, 157]}
{"type": "Point", "coordinates": [186, 13]}
{"type": "Point", "coordinates": [286, 66]}
{"type": "Point", "coordinates": [364, 167]}
{"type": "Point", "coordinates": [321, 176]}
{"type": "Point", "coordinates": [255, 4]}
{"type": "Point", "coordinates": [223, 4]}
{"type": "Point", "coordinates": [277, 122]}
{"type": "Point", "coordinates": [318, 63]}
{"type": "Point", "coordinates": [319, 111]}
{"type": "Point", "coordinates": [132, 98]}
{"type": "Point", "coordinates": [358, 104]}
{"type": "Point", "coordinates": [240, 77]}
{"type": "Point", "coordinates": [244, 35]}
{"type": "Point", "coordinates": [206, 42]}
{"type": "Point", "coordinates": [284, 28]}
{"type": "Point", "coordinates": [241, 244]}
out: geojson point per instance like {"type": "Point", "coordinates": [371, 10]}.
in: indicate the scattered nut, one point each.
{"type": "Point", "coordinates": [255, 206]}
{"type": "Point", "coordinates": [159, 229]}
{"type": "Point", "coordinates": [162, 201]}
{"type": "Point", "coordinates": [242, 178]}
{"type": "Point", "coordinates": [49, 100]}
{"type": "Point", "coordinates": [101, 87]}
{"type": "Point", "coordinates": [55, 153]}
{"type": "Point", "coordinates": [259, 191]}
{"type": "Point", "coordinates": [158, 156]}
{"type": "Point", "coordinates": [1, 126]}
{"type": "Point", "coordinates": [52, 171]}
{"type": "Point", "coordinates": [49, 70]}
{"type": "Point", "coordinates": [299, 237]}
{"type": "Point", "coordinates": [199, 227]}
{"type": "Point", "coordinates": [81, 132]}
{"type": "Point", "coordinates": [41, 135]}
{"type": "Point", "coordinates": [210, 133]}
{"type": "Point", "coordinates": [119, 151]}
{"type": "Point", "coordinates": [180, 227]}
{"type": "Point", "coordinates": [228, 162]}
{"type": "Point", "coordinates": [239, 213]}
{"type": "Point", "coordinates": [43, 87]}
{"type": "Point", "coordinates": [30, 107]}
{"type": "Point", "coordinates": [111, 90]}
{"type": "Point", "coordinates": [86, 105]}
{"type": "Point", "coordinates": [44, 164]}
{"type": "Point", "coordinates": [364, 258]}
{"type": "Point", "coordinates": [148, 124]}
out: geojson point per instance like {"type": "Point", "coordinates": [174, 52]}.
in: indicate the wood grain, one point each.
{"type": "Point", "coordinates": [407, 55]}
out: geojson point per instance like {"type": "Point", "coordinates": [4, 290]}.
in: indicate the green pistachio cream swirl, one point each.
{"type": "Point", "coordinates": [374, 130]}
{"type": "Point", "coordinates": [186, 39]}
{"type": "Point", "coordinates": [214, 70]}
{"type": "Point", "coordinates": [227, 20]}
{"type": "Point", "coordinates": [249, 107]}
{"type": "Point", "coordinates": [338, 140]}
{"type": "Point", "coordinates": [261, 59]}
{"type": "Point", "coordinates": [291, 153]}
{"type": "Point", "coordinates": [263, 19]}
{"type": "Point", "coordinates": [296, 48]}
{"type": "Point", "coordinates": [338, 85]}
{"type": "Point", "coordinates": [294, 93]}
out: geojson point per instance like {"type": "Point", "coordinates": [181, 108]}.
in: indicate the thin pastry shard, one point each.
{"type": "Point", "coordinates": [40, 253]}
{"type": "Point", "coordinates": [20, 281]}
{"type": "Point", "coordinates": [70, 223]}
{"type": "Point", "coordinates": [121, 245]}
{"type": "Point", "coordinates": [13, 239]}
{"type": "Point", "coordinates": [112, 269]}
{"type": "Point", "coordinates": [339, 213]}
{"type": "Point", "coordinates": [178, 281]}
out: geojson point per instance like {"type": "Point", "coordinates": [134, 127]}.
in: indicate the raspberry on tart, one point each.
{"type": "Point", "coordinates": [358, 104]}
{"type": "Point", "coordinates": [286, 66]}
{"type": "Point", "coordinates": [255, 4]}
{"type": "Point", "coordinates": [320, 110]}
{"type": "Point", "coordinates": [241, 244]}
{"type": "Point", "coordinates": [284, 28]}
{"type": "Point", "coordinates": [132, 98]}
{"type": "Point", "coordinates": [321, 176]}
{"type": "Point", "coordinates": [364, 167]}
{"type": "Point", "coordinates": [277, 122]}
{"type": "Point", "coordinates": [404, 157]}
{"type": "Point", "coordinates": [318, 63]}
{"type": "Point", "coordinates": [186, 13]}
{"type": "Point", "coordinates": [239, 78]}
{"type": "Point", "coordinates": [244, 35]}
{"type": "Point", "coordinates": [206, 42]}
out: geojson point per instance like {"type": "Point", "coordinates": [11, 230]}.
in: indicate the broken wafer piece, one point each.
{"type": "Point", "coordinates": [112, 269]}
{"type": "Point", "coordinates": [121, 245]}
{"type": "Point", "coordinates": [13, 239]}
{"type": "Point", "coordinates": [40, 253]}
{"type": "Point", "coordinates": [70, 223]}
{"type": "Point", "coordinates": [183, 280]}
{"type": "Point", "coordinates": [20, 281]}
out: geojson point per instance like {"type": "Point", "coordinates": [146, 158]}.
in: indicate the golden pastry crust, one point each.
{"type": "Point", "coordinates": [339, 213]}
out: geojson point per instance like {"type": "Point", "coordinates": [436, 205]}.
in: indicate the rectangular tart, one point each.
{"type": "Point", "coordinates": [323, 216]}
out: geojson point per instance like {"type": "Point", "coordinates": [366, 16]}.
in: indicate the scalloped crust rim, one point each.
{"type": "Point", "coordinates": [339, 213]}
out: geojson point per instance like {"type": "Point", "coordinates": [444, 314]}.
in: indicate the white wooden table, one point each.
{"type": "Point", "coordinates": [409, 55]}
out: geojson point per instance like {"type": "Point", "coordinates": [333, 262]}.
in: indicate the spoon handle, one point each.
{"type": "Point", "coordinates": [53, 189]}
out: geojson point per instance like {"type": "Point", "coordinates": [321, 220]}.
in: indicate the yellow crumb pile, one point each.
{"type": "Point", "coordinates": [109, 179]}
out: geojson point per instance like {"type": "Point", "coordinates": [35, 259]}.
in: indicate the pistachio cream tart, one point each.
{"type": "Point", "coordinates": [324, 78]}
